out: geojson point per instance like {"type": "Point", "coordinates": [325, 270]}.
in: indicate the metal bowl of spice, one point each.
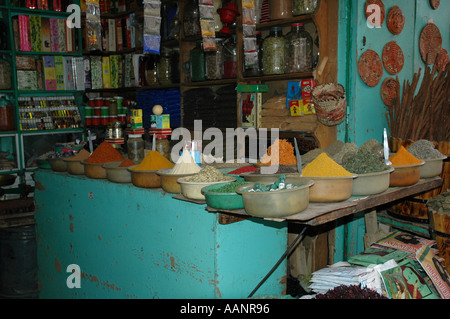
{"type": "Point", "coordinates": [193, 190]}
{"type": "Point", "coordinates": [432, 167]}
{"type": "Point", "coordinates": [169, 181]}
{"type": "Point", "coordinates": [277, 203]}
{"type": "Point", "coordinates": [224, 195]}
{"type": "Point", "coordinates": [94, 170]}
{"type": "Point", "coordinates": [405, 175]}
{"type": "Point", "coordinates": [144, 179]}
{"type": "Point", "coordinates": [331, 189]}
{"type": "Point", "coordinates": [57, 164]}
{"type": "Point", "coordinates": [371, 183]}
{"type": "Point", "coordinates": [116, 173]}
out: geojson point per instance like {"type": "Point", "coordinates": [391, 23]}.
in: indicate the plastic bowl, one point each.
{"type": "Point", "coordinates": [371, 183]}
{"type": "Point", "coordinates": [331, 189]}
{"type": "Point", "coordinates": [227, 201]}
{"type": "Point", "coordinates": [277, 204]}
{"type": "Point", "coordinates": [405, 175]}
{"type": "Point", "coordinates": [117, 174]}
{"type": "Point", "coordinates": [94, 170]}
{"type": "Point", "coordinates": [57, 164]}
{"type": "Point", "coordinates": [193, 190]}
{"type": "Point", "coordinates": [169, 181]}
{"type": "Point", "coordinates": [432, 167]}
{"type": "Point", "coordinates": [74, 167]}
{"type": "Point", "coordinates": [144, 179]}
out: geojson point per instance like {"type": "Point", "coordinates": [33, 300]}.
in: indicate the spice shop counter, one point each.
{"type": "Point", "coordinates": [131, 242]}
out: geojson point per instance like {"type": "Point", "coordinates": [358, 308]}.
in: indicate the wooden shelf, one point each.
{"type": "Point", "coordinates": [284, 22]}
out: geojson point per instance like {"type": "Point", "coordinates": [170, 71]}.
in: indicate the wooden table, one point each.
{"type": "Point", "coordinates": [318, 214]}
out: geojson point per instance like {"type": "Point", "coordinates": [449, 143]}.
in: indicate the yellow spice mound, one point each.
{"type": "Point", "coordinates": [324, 166]}
{"type": "Point", "coordinates": [403, 157]}
{"type": "Point", "coordinates": [152, 162]}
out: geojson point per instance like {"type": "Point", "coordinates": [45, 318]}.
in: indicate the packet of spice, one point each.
{"type": "Point", "coordinates": [404, 241]}
{"type": "Point", "coordinates": [435, 271]}
{"type": "Point", "coordinates": [394, 283]}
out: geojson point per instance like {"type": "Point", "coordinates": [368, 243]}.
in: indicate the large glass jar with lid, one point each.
{"type": "Point", "coordinates": [5, 75]}
{"type": "Point", "coordinates": [229, 58]}
{"type": "Point", "coordinates": [151, 69]}
{"type": "Point", "coordinates": [300, 7]}
{"type": "Point", "coordinates": [253, 64]}
{"type": "Point", "coordinates": [274, 47]}
{"type": "Point", "coordinates": [135, 148]}
{"type": "Point", "coordinates": [191, 18]}
{"type": "Point", "coordinates": [197, 63]}
{"type": "Point", "coordinates": [164, 67]}
{"type": "Point", "coordinates": [214, 62]}
{"type": "Point", "coordinates": [299, 49]}
{"type": "Point", "coordinates": [280, 9]}
{"type": "Point", "coordinates": [162, 145]}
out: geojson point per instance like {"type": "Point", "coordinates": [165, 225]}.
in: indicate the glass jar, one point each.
{"type": "Point", "coordinates": [229, 58]}
{"type": "Point", "coordinates": [274, 47]}
{"type": "Point", "coordinates": [6, 115]}
{"type": "Point", "coordinates": [5, 75]}
{"type": "Point", "coordinates": [162, 145]}
{"type": "Point", "coordinates": [197, 63]}
{"type": "Point", "coordinates": [280, 9]}
{"type": "Point", "coordinates": [175, 65]}
{"type": "Point", "coordinates": [151, 69]}
{"type": "Point", "coordinates": [164, 67]}
{"type": "Point", "coordinates": [255, 67]}
{"type": "Point", "coordinates": [300, 7]}
{"type": "Point", "coordinates": [191, 18]}
{"type": "Point", "coordinates": [299, 47]}
{"type": "Point", "coordinates": [112, 107]}
{"type": "Point", "coordinates": [214, 62]}
{"type": "Point", "coordinates": [135, 148]}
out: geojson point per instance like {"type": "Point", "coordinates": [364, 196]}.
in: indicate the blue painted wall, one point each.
{"type": "Point", "coordinates": [366, 111]}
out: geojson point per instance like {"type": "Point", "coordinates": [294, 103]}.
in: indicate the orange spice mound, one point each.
{"type": "Point", "coordinates": [126, 163]}
{"type": "Point", "coordinates": [104, 153]}
{"type": "Point", "coordinates": [403, 157]}
{"type": "Point", "coordinates": [286, 155]}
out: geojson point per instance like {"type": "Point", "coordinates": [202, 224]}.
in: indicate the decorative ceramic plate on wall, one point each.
{"type": "Point", "coordinates": [390, 89]}
{"type": "Point", "coordinates": [395, 20]}
{"type": "Point", "coordinates": [430, 43]}
{"type": "Point", "coordinates": [371, 15]}
{"type": "Point", "coordinates": [393, 58]}
{"type": "Point", "coordinates": [442, 60]}
{"type": "Point", "coordinates": [435, 4]}
{"type": "Point", "coordinates": [370, 68]}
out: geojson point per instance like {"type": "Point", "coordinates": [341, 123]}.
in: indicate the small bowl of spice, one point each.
{"type": "Point", "coordinates": [117, 172]}
{"type": "Point", "coordinates": [104, 153]}
{"type": "Point", "coordinates": [373, 174]}
{"type": "Point", "coordinates": [332, 182]}
{"type": "Point", "coordinates": [285, 197]}
{"type": "Point", "coordinates": [406, 168]}
{"type": "Point", "coordinates": [426, 151]}
{"type": "Point", "coordinates": [224, 195]}
{"type": "Point", "coordinates": [74, 166]}
{"type": "Point", "coordinates": [191, 186]}
{"type": "Point", "coordinates": [145, 174]}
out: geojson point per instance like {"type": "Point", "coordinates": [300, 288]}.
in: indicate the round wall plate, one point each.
{"type": "Point", "coordinates": [393, 58]}
{"type": "Point", "coordinates": [395, 20]}
{"type": "Point", "coordinates": [390, 89]}
{"type": "Point", "coordinates": [370, 68]}
{"type": "Point", "coordinates": [435, 4]}
{"type": "Point", "coordinates": [371, 15]}
{"type": "Point", "coordinates": [430, 43]}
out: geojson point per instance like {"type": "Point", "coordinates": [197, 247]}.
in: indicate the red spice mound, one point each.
{"type": "Point", "coordinates": [245, 169]}
{"type": "Point", "coordinates": [105, 153]}
{"type": "Point", "coordinates": [127, 163]}
{"type": "Point", "coordinates": [350, 292]}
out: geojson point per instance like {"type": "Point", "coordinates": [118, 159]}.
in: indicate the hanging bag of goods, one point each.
{"type": "Point", "coordinates": [330, 103]}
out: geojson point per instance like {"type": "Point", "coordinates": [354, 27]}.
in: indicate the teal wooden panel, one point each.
{"type": "Point", "coordinates": [137, 243]}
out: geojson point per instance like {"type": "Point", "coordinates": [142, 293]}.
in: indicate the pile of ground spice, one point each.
{"type": "Point", "coordinates": [80, 156]}
{"type": "Point", "coordinates": [324, 166]}
{"type": "Point", "coordinates": [153, 161]}
{"type": "Point", "coordinates": [350, 292]}
{"type": "Point", "coordinates": [423, 149]}
{"type": "Point", "coordinates": [364, 162]}
{"type": "Point", "coordinates": [403, 157]}
{"type": "Point", "coordinates": [245, 169]}
{"type": "Point", "coordinates": [285, 156]}
{"type": "Point", "coordinates": [127, 163]}
{"type": "Point", "coordinates": [104, 153]}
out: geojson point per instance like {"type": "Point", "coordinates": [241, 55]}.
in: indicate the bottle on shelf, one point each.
{"type": "Point", "coordinates": [6, 115]}
{"type": "Point", "coordinates": [299, 47]}
{"type": "Point", "coordinates": [229, 58]}
{"type": "Point", "coordinates": [300, 7]}
{"type": "Point", "coordinates": [274, 47]}
{"type": "Point", "coordinates": [164, 67]}
{"type": "Point", "coordinates": [135, 148]}
{"type": "Point", "coordinates": [151, 69]}
{"type": "Point", "coordinates": [255, 67]}
{"type": "Point", "coordinates": [197, 63]}
{"type": "Point", "coordinates": [280, 9]}
{"type": "Point", "coordinates": [214, 62]}
{"type": "Point", "coordinates": [191, 18]}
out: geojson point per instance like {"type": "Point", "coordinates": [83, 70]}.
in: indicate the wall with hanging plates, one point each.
{"type": "Point", "coordinates": [366, 107]}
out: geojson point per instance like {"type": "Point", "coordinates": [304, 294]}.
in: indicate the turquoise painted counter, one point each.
{"type": "Point", "coordinates": [131, 242]}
